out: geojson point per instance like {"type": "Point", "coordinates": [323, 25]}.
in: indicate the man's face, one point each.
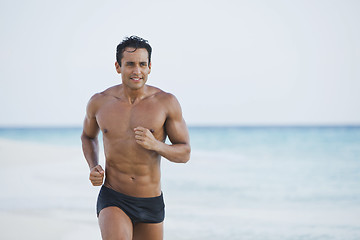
{"type": "Point", "coordinates": [134, 67]}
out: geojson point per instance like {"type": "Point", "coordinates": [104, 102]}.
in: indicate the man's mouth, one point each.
{"type": "Point", "coordinates": [136, 79]}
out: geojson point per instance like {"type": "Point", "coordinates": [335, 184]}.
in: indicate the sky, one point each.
{"type": "Point", "coordinates": [258, 62]}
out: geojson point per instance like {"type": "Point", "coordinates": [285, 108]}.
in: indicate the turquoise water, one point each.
{"type": "Point", "coordinates": [252, 182]}
{"type": "Point", "coordinates": [325, 140]}
{"type": "Point", "coordinates": [55, 136]}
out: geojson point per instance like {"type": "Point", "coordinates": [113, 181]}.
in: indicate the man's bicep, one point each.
{"type": "Point", "coordinates": [91, 127]}
{"type": "Point", "coordinates": [177, 131]}
{"type": "Point", "coordinates": [175, 125]}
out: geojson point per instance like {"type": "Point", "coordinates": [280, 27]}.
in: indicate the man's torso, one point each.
{"type": "Point", "coordinates": [130, 168]}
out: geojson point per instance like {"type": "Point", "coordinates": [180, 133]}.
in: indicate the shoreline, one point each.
{"type": "Point", "coordinates": [47, 195]}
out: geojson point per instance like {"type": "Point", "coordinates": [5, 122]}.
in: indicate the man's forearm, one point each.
{"type": "Point", "coordinates": [179, 153]}
{"type": "Point", "coordinates": [90, 148]}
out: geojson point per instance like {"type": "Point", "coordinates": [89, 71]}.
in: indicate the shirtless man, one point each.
{"type": "Point", "coordinates": [135, 119]}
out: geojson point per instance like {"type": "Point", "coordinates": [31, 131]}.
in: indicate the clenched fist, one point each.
{"type": "Point", "coordinates": [97, 175]}
{"type": "Point", "coordinates": [145, 138]}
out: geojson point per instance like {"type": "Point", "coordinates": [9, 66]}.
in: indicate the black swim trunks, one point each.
{"type": "Point", "coordinates": [144, 210]}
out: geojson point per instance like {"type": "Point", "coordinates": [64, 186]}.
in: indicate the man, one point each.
{"type": "Point", "coordinates": [135, 119]}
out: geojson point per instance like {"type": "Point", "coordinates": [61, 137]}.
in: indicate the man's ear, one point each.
{"type": "Point", "coordinates": [149, 68]}
{"type": "Point", "coordinates": [117, 67]}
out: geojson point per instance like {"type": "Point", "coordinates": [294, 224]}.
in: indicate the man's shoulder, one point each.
{"type": "Point", "coordinates": [101, 97]}
{"type": "Point", "coordinates": [109, 92]}
{"type": "Point", "coordinates": [97, 98]}
{"type": "Point", "coordinates": [161, 94]}
{"type": "Point", "coordinates": [167, 100]}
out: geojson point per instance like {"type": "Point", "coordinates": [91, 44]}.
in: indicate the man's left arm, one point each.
{"type": "Point", "coordinates": [175, 126]}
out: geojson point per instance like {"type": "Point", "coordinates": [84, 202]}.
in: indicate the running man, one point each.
{"type": "Point", "coordinates": [135, 120]}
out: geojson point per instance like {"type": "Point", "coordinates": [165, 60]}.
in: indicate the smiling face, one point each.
{"type": "Point", "coordinates": [134, 67]}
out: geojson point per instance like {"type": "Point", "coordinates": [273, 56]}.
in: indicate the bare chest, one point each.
{"type": "Point", "coordinates": [117, 119]}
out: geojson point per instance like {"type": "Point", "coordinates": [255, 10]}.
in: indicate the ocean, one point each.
{"type": "Point", "coordinates": [253, 183]}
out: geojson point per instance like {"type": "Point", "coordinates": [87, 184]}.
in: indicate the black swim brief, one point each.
{"type": "Point", "coordinates": [144, 210]}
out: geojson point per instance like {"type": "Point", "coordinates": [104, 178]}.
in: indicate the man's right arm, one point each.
{"type": "Point", "coordinates": [90, 145]}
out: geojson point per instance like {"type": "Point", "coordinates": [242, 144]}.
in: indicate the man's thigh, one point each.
{"type": "Point", "coordinates": [115, 224]}
{"type": "Point", "coordinates": [148, 231]}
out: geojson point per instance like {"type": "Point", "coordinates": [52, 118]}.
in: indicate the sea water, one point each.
{"type": "Point", "coordinates": [246, 182]}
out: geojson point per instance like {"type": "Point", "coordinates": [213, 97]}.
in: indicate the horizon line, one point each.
{"type": "Point", "coordinates": [196, 126]}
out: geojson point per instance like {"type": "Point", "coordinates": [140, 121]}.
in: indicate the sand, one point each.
{"type": "Point", "coordinates": [39, 184]}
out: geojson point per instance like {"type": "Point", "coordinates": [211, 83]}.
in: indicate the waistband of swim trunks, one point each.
{"type": "Point", "coordinates": [131, 197]}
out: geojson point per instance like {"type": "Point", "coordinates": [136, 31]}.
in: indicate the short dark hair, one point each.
{"type": "Point", "coordinates": [135, 42]}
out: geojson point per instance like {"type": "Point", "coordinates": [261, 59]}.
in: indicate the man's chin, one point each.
{"type": "Point", "coordinates": [136, 86]}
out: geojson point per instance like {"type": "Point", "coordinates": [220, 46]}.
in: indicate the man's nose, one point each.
{"type": "Point", "coordinates": [136, 70]}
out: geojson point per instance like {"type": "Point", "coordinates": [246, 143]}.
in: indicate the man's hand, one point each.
{"type": "Point", "coordinates": [145, 138]}
{"type": "Point", "coordinates": [97, 175]}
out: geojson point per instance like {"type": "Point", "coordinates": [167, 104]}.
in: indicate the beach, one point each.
{"type": "Point", "coordinates": [41, 182]}
{"type": "Point", "coordinates": [256, 191]}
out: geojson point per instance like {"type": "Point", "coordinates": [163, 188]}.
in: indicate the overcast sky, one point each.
{"type": "Point", "coordinates": [228, 62]}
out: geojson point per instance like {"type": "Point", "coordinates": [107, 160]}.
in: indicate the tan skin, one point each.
{"type": "Point", "coordinates": [135, 119]}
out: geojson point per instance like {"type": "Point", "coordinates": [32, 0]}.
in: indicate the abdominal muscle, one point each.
{"type": "Point", "coordinates": [132, 170]}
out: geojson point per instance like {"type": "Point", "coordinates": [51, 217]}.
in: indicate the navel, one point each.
{"type": "Point", "coordinates": [105, 130]}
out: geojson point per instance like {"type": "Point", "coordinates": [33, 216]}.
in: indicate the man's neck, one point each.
{"type": "Point", "coordinates": [134, 96]}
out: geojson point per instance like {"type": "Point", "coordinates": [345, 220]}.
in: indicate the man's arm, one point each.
{"type": "Point", "coordinates": [175, 126]}
{"type": "Point", "coordinates": [90, 143]}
